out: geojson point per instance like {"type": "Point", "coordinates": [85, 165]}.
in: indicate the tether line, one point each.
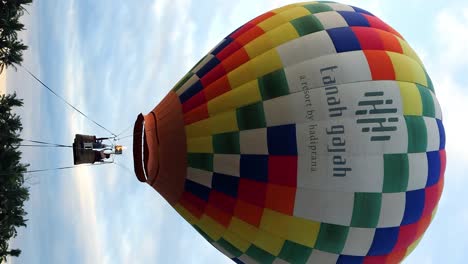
{"type": "Point", "coordinates": [69, 104]}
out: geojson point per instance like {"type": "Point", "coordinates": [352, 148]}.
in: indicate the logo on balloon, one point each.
{"type": "Point", "coordinates": [374, 113]}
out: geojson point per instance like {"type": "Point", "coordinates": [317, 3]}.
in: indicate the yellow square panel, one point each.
{"type": "Point", "coordinates": [243, 95]}
{"type": "Point", "coordinates": [243, 230]}
{"type": "Point", "coordinates": [272, 22]}
{"type": "Point", "coordinates": [236, 240]}
{"type": "Point", "coordinates": [408, 51]}
{"type": "Point", "coordinates": [212, 228]}
{"type": "Point", "coordinates": [411, 98]}
{"type": "Point", "coordinates": [267, 62]}
{"type": "Point", "coordinates": [224, 122]}
{"type": "Point", "coordinates": [200, 145]}
{"type": "Point", "coordinates": [269, 242]}
{"type": "Point", "coordinates": [259, 46]}
{"type": "Point", "coordinates": [295, 12]}
{"type": "Point", "coordinates": [186, 214]}
{"type": "Point", "coordinates": [407, 69]}
{"type": "Point", "coordinates": [241, 75]}
{"type": "Point", "coordinates": [282, 34]}
{"type": "Point", "coordinates": [198, 129]}
{"type": "Point", "coordinates": [295, 229]}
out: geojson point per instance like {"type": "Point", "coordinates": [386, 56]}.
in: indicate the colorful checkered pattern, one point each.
{"type": "Point", "coordinates": [259, 125]}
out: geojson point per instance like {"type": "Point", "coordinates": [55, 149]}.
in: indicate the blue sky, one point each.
{"type": "Point", "coordinates": [114, 59]}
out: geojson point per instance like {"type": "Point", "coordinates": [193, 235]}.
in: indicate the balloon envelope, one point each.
{"type": "Point", "coordinates": [311, 134]}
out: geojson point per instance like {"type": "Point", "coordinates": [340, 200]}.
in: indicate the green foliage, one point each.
{"type": "Point", "coordinates": [13, 193]}
{"type": "Point", "coordinates": [11, 49]}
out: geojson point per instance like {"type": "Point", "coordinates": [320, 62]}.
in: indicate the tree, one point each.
{"type": "Point", "coordinates": [13, 193]}
{"type": "Point", "coordinates": [11, 49]}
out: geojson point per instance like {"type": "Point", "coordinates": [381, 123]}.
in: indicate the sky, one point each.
{"type": "Point", "coordinates": [114, 59]}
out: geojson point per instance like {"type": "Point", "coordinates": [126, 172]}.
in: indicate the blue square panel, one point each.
{"type": "Point", "coordinates": [282, 140]}
{"type": "Point", "coordinates": [414, 206]}
{"type": "Point", "coordinates": [354, 19]}
{"type": "Point", "coordinates": [384, 241]}
{"type": "Point", "coordinates": [225, 183]}
{"type": "Point", "coordinates": [344, 39]}
{"type": "Point", "coordinates": [254, 167]}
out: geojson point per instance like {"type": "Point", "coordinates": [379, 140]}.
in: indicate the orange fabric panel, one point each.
{"type": "Point", "coordinates": [380, 65]}
{"type": "Point", "coordinates": [280, 198]}
{"type": "Point", "coordinates": [167, 162]}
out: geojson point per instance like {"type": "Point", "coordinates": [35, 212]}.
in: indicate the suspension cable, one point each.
{"type": "Point", "coordinates": [56, 169]}
{"type": "Point", "coordinates": [69, 104]}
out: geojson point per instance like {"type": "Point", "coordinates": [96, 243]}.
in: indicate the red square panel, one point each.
{"type": "Point", "coordinates": [217, 88]}
{"type": "Point", "coordinates": [281, 198]}
{"type": "Point", "coordinates": [213, 75]}
{"type": "Point", "coordinates": [406, 236]}
{"type": "Point", "coordinates": [368, 37]}
{"type": "Point", "coordinates": [194, 101]}
{"type": "Point", "coordinates": [282, 170]}
{"type": "Point", "coordinates": [375, 260]}
{"type": "Point", "coordinates": [197, 114]}
{"type": "Point", "coordinates": [218, 215]}
{"type": "Point", "coordinates": [248, 212]}
{"type": "Point", "coordinates": [193, 204]}
{"type": "Point", "coordinates": [253, 192]}
{"type": "Point", "coordinates": [222, 201]}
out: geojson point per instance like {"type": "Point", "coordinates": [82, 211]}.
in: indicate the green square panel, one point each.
{"type": "Point", "coordinates": [396, 173]}
{"type": "Point", "coordinates": [229, 247]}
{"type": "Point", "coordinates": [430, 85]}
{"type": "Point", "coordinates": [260, 255]}
{"type": "Point", "coordinates": [307, 25]}
{"type": "Point", "coordinates": [366, 209]}
{"type": "Point", "coordinates": [427, 101]}
{"type": "Point", "coordinates": [318, 8]}
{"type": "Point", "coordinates": [331, 238]}
{"type": "Point", "coordinates": [417, 134]}
{"type": "Point", "coordinates": [203, 161]}
{"type": "Point", "coordinates": [226, 143]}
{"type": "Point", "coordinates": [273, 85]}
{"type": "Point", "coordinates": [294, 253]}
{"type": "Point", "coordinates": [251, 116]}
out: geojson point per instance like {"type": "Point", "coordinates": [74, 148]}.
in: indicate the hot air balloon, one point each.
{"type": "Point", "coordinates": [311, 134]}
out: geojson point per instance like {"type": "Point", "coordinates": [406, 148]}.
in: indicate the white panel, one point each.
{"type": "Point", "coordinates": [312, 105]}
{"type": "Point", "coordinates": [359, 241]}
{"type": "Point", "coordinates": [306, 48]}
{"type": "Point", "coordinates": [392, 209]}
{"type": "Point", "coordinates": [331, 20]}
{"type": "Point", "coordinates": [438, 110]}
{"type": "Point", "coordinates": [287, 109]}
{"type": "Point", "coordinates": [246, 259]}
{"type": "Point", "coordinates": [205, 60]}
{"type": "Point", "coordinates": [366, 174]}
{"type": "Point", "coordinates": [253, 141]}
{"type": "Point", "coordinates": [418, 171]}
{"type": "Point", "coordinates": [226, 164]}
{"type": "Point", "coordinates": [200, 176]}
{"type": "Point", "coordinates": [433, 137]}
{"type": "Point", "coordinates": [280, 261]}
{"type": "Point", "coordinates": [341, 68]}
{"type": "Point", "coordinates": [322, 206]}
{"type": "Point", "coordinates": [340, 7]}
{"type": "Point", "coordinates": [187, 84]}
{"type": "Point", "coordinates": [322, 257]}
